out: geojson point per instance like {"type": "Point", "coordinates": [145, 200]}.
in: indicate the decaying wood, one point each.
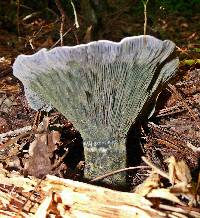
{"type": "Point", "coordinates": [84, 200]}
{"type": "Point", "coordinates": [57, 197]}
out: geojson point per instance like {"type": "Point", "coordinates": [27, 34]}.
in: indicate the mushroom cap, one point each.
{"type": "Point", "coordinates": [102, 87]}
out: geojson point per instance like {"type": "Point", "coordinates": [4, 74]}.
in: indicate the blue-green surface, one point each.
{"type": "Point", "coordinates": [102, 88]}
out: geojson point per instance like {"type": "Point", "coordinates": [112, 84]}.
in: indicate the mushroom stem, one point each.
{"type": "Point", "coordinates": [103, 157]}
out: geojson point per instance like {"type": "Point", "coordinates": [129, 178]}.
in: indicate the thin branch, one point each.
{"type": "Point", "coordinates": [118, 171]}
{"type": "Point", "coordinates": [63, 16]}
{"type": "Point", "coordinates": [145, 18]}
{"type": "Point", "coordinates": [60, 161]}
{"type": "Point", "coordinates": [60, 38]}
{"type": "Point", "coordinates": [18, 30]}
{"type": "Point", "coordinates": [75, 15]}
{"type": "Point", "coordinates": [159, 171]}
{"type": "Point", "coordinates": [15, 132]}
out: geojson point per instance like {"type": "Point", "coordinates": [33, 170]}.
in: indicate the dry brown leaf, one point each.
{"type": "Point", "coordinates": [164, 194]}
{"type": "Point", "coordinates": [181, 188]}
{"type": "Point", "coordinates": [41, 149]}
{"type": "Point", "coordinates": [7, 87]}
{"type": "Point", "coordinates": [6, 102]}
{"type": "Point", "coordinates": [178, 171]}
{"type": "Point", "coordinates": [151, 182]}
{"type": "Point", "coordinates": [183, 172]}
{"type": "Point", "coordinates": [171, 168]}
{"type": "Point", "coordinates": [38, 163]}
{"type": "Point", "coordinates": [188, 191]}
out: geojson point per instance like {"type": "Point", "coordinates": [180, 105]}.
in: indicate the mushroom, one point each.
{"type": "Point", "coordinates": [102, 87]}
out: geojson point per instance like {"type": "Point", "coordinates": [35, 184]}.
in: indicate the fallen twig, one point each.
{"type": "Point", "coordinates": [117, 171]}
{"type": "Point", "coordinates": [159, 171]}
{"type": "Point", "coordinates": [15, 132]}
{"type": "Point", "coordinates": [63, 16]}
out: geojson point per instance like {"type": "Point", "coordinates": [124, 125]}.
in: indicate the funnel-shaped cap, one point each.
{"type": "Point", "coordinates": [101, 86]}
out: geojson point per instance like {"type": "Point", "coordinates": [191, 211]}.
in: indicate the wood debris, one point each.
{"type": "Point", "coordinates": [57, 197]}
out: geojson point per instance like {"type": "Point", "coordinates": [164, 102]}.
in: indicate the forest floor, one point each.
{"type": "Point", "coordinates": [174, 130]}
